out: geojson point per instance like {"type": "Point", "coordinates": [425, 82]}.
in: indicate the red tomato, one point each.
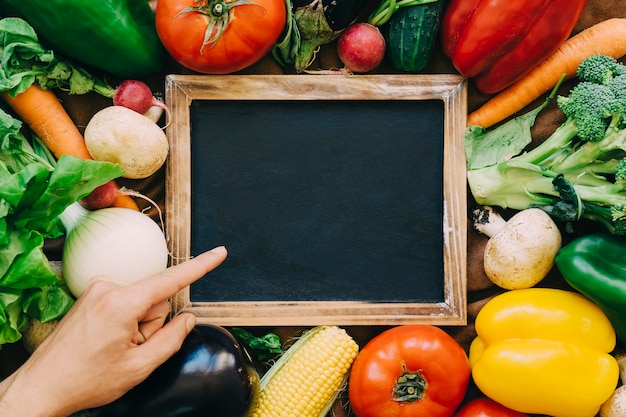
{"type": "Point", "coordinates": [413, 370]}
{"type": "Point", "coordinates": [241, 32]}
{"type": "Point", "coordinates": [486, 407]}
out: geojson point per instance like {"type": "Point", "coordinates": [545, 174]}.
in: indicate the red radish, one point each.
{"type": "Point", "coordinates": [137, 96]}
{"type": "Point", "coordinates": [361, 47]}
{"type": "Point", "coordinates": [100, 197]}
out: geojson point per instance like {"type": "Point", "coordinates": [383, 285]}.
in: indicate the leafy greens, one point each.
{"type": "Point", "coordinates": [36, 188]}
{"type": "Point", "coordinates": [33, 194]}
{"type": "Point", "coordinates": [25, 61]}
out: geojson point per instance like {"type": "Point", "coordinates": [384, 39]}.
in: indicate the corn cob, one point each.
{"type": "Point", "coordinates": [306, 380]}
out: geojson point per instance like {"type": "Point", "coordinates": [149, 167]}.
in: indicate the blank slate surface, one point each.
{"type": "Point", "coordinates": [336, 200]}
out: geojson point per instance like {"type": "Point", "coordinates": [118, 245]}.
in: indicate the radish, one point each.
{"type": "Point", "coordinates": [361, 48]}
{"type": "Point", "coordinates": [101, 197]}
{"type": "Point", "coordinates": [137, 96]}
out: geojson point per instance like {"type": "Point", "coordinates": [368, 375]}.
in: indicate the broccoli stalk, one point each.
{"type": "Point", "coordinates": [578, 172]}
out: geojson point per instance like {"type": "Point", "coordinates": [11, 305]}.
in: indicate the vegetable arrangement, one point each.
{"type": "Point", "coordinates": [576, 173]}
{"type": "Point", "coordinates": [33, 195]}
{"type": "Point", "coordinates": [604, 38]}
{"type": "Point", "coordinates": [39, 108]}
{"type": "Point", "coordinates": [114, 36]}
{"type": "Point", "coordinates": [29, 73]}
{"type": "Point", "coordinates": [48, 176]}
{"type": "Point", "coordinates": [497, 42]}
{"type": "Point", "coordinates": [310, 24]}
{"type": "Point", "coordinates": [544, 351]}
{"type": "Point", "coordinates": [537, 338]}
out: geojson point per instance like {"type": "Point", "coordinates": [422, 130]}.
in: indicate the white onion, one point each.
{"type": "Point", "coordinates": [117, 244]}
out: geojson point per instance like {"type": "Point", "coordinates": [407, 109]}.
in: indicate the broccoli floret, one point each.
{"type": "Point", "coordinates": [620, 170]}
{"type": "Point", "coordinates": [592, 106]}
{"type": "Point", "coordinates": [599, 99]}
{"type": "Point", "coordinates": [600, 69]}
{"type": "Point", "coordinates": [579, 171]}
{"type": "Point", "coordinates": [613, 218]}
{"type": "Point", "coordinates": [618, 87]}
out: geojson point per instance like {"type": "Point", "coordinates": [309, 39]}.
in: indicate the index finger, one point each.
{"type": "Point", "coordinates": [161, 286]}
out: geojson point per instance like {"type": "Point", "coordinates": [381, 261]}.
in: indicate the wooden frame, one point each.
{"type": "Point", "coordinates": [182, 90]}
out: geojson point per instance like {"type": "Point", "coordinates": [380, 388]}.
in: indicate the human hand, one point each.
{"type": "Point", "coordinates": [110, 341]}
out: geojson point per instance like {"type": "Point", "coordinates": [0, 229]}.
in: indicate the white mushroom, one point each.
{"type": "Point", "coordinates": [521, 251]}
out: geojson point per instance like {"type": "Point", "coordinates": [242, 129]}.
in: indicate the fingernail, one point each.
{"type": "Point", "coordinates": [218, 249]}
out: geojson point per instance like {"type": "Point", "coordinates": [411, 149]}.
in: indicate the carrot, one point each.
{"type": "Point", "coordinates": [42, 111]}
{"type": "Point", "coordinates": [605, 38]}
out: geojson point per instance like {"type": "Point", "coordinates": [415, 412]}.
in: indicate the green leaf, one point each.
{"type": "Point", "coordinates": [25, 61]}
{"type": "Point", "coordinates": [24, 187]}
{"type": "Point", "coordinates": [23, 262]}
{"type": "Point", "coordinates": [12, 320]}
{"type": "Point", "coordinates": [49, 303]}
{"type": "Point", "coordinates": [264, 347]}
{"type": "Point", "coordinates": [20, 51]}
{"type": "Point", "coordinates": [72, 179]}
{"type": "Point", "coordinates": [486, 147]}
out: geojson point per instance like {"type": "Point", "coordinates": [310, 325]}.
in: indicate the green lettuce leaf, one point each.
{"type": "Point", "coordinates": [34, 192]}
{"type": "Point", "coordinates": [25, 61]}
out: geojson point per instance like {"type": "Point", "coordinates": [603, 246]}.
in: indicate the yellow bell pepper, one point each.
{"type": "Point", "coordinates": [544, 351]}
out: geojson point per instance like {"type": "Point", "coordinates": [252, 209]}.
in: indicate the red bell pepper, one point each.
{"type": "Point", "coordinates": [496, 42]}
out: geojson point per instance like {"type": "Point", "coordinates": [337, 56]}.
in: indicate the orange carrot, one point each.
{"type": "Point", "coordinates": [44, 114]}
{"type": "Point", "coordinates": [605, 38]}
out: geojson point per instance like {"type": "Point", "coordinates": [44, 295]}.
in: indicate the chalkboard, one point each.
{"type": "Point", "coordinates": [340, 199]}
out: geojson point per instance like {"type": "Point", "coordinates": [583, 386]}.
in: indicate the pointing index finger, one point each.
{"type": "Point", "coordinates": [161, 286]}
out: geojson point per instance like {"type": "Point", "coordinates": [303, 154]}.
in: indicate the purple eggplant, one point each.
{"type": "Point", "coordinates": [211, 375]}
{"type": "Point", "coordinates": [310, 24]}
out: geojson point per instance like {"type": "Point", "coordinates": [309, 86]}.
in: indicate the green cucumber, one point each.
{"type": "Point", "coordinates": [411, 34]}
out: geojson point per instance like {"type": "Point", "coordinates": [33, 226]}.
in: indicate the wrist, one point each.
{"type": "Point", "coordinates": [26, 400]}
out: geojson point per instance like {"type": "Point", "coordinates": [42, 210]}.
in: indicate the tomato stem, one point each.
{"type": "Point", "coordinates": [217, 13]}
{"type": "Point", "coordinates": [218, 9]}
{"type": "Point", "coordinates": [410, 386]}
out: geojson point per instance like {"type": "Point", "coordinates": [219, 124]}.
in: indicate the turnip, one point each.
{"type": "Point", "coordinates": [361, 48]}
{"type": "Point", "coordinates": [120, 135]}
{"type": "Point", "coordinates": [137, 96]}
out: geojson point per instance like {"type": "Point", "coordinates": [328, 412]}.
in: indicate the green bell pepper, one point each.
{"type": "Point", "coordinates": [595, 266]}
{"type": "Point", "coordinates": [115, 36]}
